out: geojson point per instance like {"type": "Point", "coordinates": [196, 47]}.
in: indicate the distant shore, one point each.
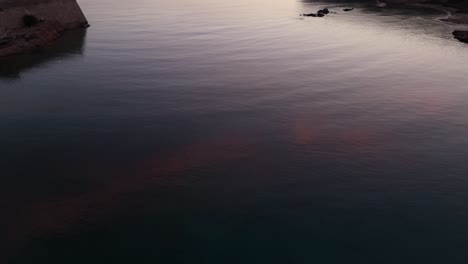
{"type": "Point", "coordinates": [458, 10]}
{"type": "Point", "coordinates": [457, 13]}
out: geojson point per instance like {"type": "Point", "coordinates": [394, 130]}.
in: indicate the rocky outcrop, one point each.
{"type": "Point", "coordinates": [461, 35]}
{"type": "Point", "coordinates": [28, 24]}
{"type": "Point", "coordinates": [30, 38]}
{"type": "Point", "coordinates": [70, 44]}
{"type": "Point", "coordinates": [320, 13]}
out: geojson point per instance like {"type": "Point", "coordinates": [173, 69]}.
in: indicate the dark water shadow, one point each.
{"type": "Point", "coordinates": [71, 44]}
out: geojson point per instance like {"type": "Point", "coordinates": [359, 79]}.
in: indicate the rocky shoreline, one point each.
{"type": "Point", "coordinates": [458, 16]}
{"type": "Point", "coordinates": [458, 12]}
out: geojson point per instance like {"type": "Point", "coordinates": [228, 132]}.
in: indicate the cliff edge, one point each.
{"type": "Point", "coordinates": [29, 24]}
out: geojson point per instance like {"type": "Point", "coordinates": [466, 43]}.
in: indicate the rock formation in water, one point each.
{"type": "Point", "coordinates": [29, 24]}
{"type": "Point", "coordinates": [320, 13]}
{"type": "Point", "coordinates": [461, 35]}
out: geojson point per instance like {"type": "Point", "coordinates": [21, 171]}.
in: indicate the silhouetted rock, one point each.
{"type": "Point", "coordinates": [320, 13]}
{"type": "Point", "coordinates": [461, 35]}
{"type": "Point", "coordinates": [29, 24]}
{"type": "Point", "coordinates": [348, 9]}
{"type": "Point", "coordinates": [30, 20]}
{"type": "Point", "coordinates": [29, 38]}
{"type": "Point", "coordinates": [70, 44]}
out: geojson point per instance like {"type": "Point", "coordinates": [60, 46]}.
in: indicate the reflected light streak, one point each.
{"type": "Point", "coordinates": [44, 218]}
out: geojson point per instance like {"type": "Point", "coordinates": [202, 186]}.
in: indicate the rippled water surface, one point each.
{"type": "Point", "coordinates": [209, 131]}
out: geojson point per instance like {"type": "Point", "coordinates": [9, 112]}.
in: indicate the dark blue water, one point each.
{"type": "Point", "coordinates": [203, 131]}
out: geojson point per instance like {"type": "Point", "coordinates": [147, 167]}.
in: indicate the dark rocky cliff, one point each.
{"type": "Point", "coordinates": [29, 24]}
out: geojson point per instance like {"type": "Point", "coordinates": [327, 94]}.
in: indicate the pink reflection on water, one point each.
{"type": "Point", "coordinates": [339, 141]}
{"type": "Point", "coordinates": [305, 133]}
{"type": "Point", "coordinates": [37, 219]}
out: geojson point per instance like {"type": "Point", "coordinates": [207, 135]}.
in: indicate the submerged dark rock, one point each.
{"type": "Point", "coordinates": [461, 35]}
{"type": "Point", "coordinates": [348, 9]}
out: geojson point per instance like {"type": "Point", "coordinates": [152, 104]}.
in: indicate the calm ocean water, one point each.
{"type": "Point", "coordinates": [209, 131]}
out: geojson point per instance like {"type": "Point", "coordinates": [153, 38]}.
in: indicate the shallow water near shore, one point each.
{"type": "Point", "coordinates": [238, 132]}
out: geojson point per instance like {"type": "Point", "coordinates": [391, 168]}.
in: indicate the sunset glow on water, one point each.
{"type": "Point", "coordinates": [209, 131]}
